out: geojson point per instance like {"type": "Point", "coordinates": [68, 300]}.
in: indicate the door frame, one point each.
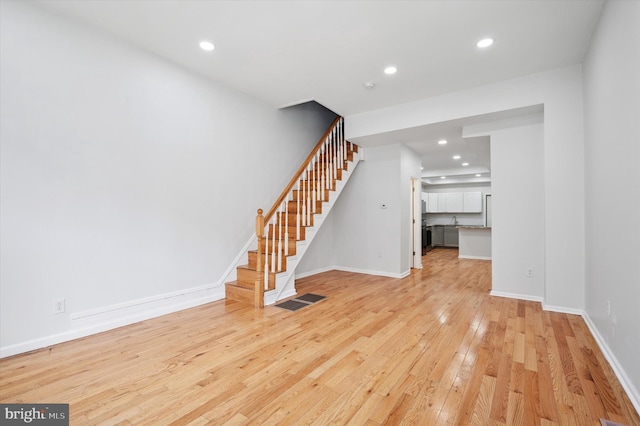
{"type": "Point", "coordinates": [415, 250]}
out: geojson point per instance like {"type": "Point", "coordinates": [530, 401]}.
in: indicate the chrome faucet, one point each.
{"type": "Point", "coordinates": [455, 220]}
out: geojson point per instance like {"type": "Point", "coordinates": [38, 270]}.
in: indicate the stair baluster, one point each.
{"type": "Point", "coordinates": [306, 194]}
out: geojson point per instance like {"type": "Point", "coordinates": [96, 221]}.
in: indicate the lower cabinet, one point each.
{"type": "Point", "coordinates": [444, 235]}
{"type": "Point", "coordinates": [450, 236]}
{"type": "Point", "coordinates": [437, 237]}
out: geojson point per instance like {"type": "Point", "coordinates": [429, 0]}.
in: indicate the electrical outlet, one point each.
{"type": "Point", "coordinates": [529, 272]}
{"type": "Point", "coordinates": [58, 306]}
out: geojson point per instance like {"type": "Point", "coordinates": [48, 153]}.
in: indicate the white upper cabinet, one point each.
{"type": "Point", "coordinates": [472, 202]}
{"type": "Point", "coordinates": [432, 203]}
{"type": "Point", "coordinates": [454, 202]}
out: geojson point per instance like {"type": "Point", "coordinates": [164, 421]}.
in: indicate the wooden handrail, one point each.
{"type": "Point", "coordinates": [302, 168]}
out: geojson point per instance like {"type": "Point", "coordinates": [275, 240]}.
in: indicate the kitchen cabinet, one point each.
{"type": "Point", "coordinates": [472, 202]}
{"type": "Point", "coordinates": [437, 237]}
{"type": "Point", "coordinates": [455, 202]}
{"type": "Point", "coordinates": [442, 202]}
{"type": "Point", "coordinates": [450, 236]}
{"type": "Point", "coordinates": [432, 203]}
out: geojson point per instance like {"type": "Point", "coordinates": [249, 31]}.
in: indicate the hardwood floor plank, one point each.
{"type": "Point", "coordinates": [432, 348]}
{"type": "Point", "coordinates": [500, 402]}
{"type": "Point", "coordinates": [548, 408]}
{"type": "Point", "coordinates": [515, 409]}
{"type": "Point", "coordinates": [482, 408]}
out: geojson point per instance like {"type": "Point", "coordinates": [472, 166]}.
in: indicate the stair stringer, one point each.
{"type": "Point", "coordinates": [285, 281]}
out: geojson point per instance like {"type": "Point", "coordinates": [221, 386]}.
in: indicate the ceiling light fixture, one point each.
{"type": "Point", "coordinates": [207, 45]}
{"type": "Point", "coordinates": [390, 70]}
{"type": "Point", "coordinates": [465, 164]}
{"type": "Point", "coordinates": [443, 177]}
{"type": "Point", "coordinates": [369, 84]}
{"type": "Point", "coordinates": [456, 157]}
{"type": "Point", "coordinates": [442, 141]}
{"type": "Point", "coordinates": [478, 175]}
{"type": "Point", "coordinates": [485, 42]}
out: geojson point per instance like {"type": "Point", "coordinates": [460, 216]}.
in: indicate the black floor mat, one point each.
{"type": "Point", "coordinates": [300, 302]}
{"type": "Point", "coordinates": [292, 305]}
{"type": "Point", "coordinates": [310, 297]}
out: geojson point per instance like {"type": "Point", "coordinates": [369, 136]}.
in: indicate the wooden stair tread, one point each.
{"type": "Point", "coordinates": [286, 227]}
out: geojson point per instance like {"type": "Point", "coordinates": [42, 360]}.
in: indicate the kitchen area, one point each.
{"type": "Point", "coordinates": [457, 218]}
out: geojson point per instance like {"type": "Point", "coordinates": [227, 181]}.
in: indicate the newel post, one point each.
{"type": "Point", "coordinates": [259, 282]}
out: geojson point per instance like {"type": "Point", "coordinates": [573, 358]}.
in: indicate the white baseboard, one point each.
{"type": "Point", "coordinates": [625, 381]}
{"type": "Point", "coordinates": [517, 296]}
{"type": "Point", "coordinates": [110, 317]}
{"type": "Point", "coordinates": [370, 272]}
{"type": "Point", "coordinates": [562, 309]}
{"type": "Point", "coordinates": [314, 272]}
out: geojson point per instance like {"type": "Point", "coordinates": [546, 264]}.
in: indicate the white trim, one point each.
{"type": "Point", "coordinates": [354, 270]}
{"type": "Point", "coordinates": [370, 272]}
{"type": "Point", "coordinates": [562, 309]}
{"type": "Point", "coordinates": [110, 317]}
{"type": "Point", "coordinates": [517, 296]}
{"type": "Point", "coordinates": [138, 302]}
{"type": "Point", "coordinates": [315, 272]}
{"type": "Point", "coordinates": [625, 381]}
{"type": "Point", "coordinates": [464, 256]}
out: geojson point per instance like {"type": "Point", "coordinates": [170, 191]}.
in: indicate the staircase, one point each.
{"type": "Point", "coordinates": [285, 232]}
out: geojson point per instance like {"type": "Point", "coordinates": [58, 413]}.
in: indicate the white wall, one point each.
{"type": "Point", "coordinates": [359, 235]}
{"type": "Point", "coordinates": [320, 255]}
{"type": "Point", "coordinates": [517, 167]}
{"type": "Point", "coordinates": [368, 238]}
{"type": "Point", "coordinates": [560, 91]}
{"type": "Point", "coordinates": [128, 184]}
{"type": "Point", "coordinates": [612, 134]}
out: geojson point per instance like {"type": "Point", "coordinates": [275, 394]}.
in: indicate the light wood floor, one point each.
{"type": "Point", "coordinates": [431, 349]}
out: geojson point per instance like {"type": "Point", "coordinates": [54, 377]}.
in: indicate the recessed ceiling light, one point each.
{"type": "Point", "coordinates": [369, 84]}
{"type": "Point", "coordinates": [207, 45]}
{"type": "Point", "coordinates": [443, 177]}
{"type": "Point", "coordinates": [456, 157]}
{"type": "Point", "coordinates": [478, 175]}
{"type": "Point", "coordinates": [485, 42]}
{"type": "Point", "coordinates": [390, 70]}
{"type": "Point", "coordinates": [465, 164]}
{"type": "Point", "coordinates": [442, 141]}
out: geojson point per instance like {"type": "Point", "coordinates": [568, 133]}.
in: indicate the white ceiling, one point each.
{"type": "Point", "coordinates": [287, 52]}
